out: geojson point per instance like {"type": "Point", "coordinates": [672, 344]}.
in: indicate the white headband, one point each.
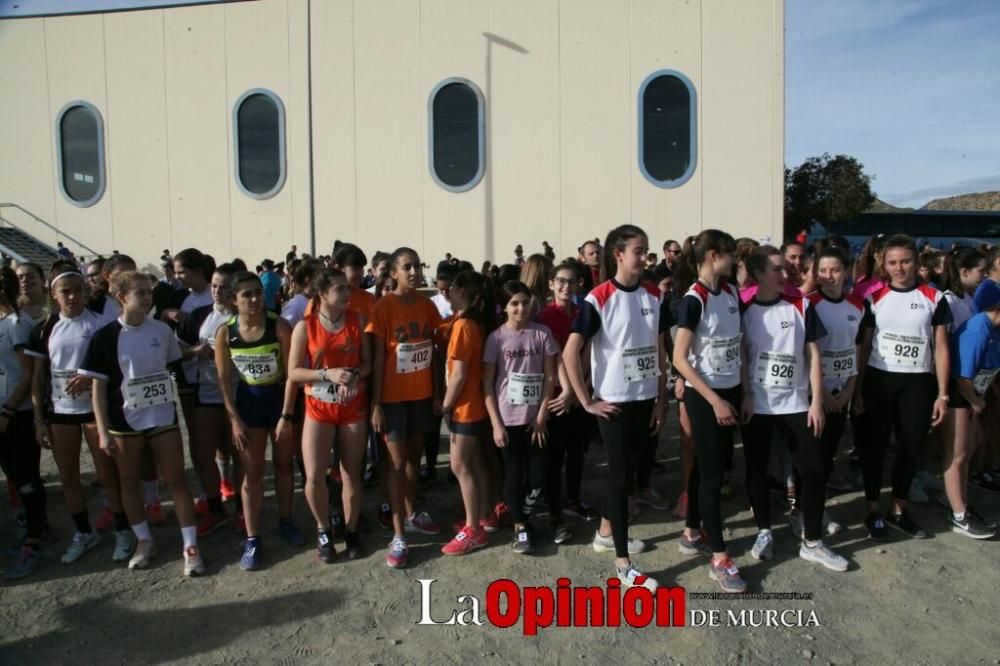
{"type": "Point", "coordinates": [66, 274]}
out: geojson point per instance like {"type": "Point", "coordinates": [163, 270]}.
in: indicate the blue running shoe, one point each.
{"type": "Point", "coordinates": [251, 555]}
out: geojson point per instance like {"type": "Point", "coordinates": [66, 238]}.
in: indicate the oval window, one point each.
{"type": "Point", "coordinates": [259, 126]}
{"type": "Point", "coordinates": [457, 135]}
{"type": "Point", "coordinates": [667, 134]}
{"type": "Point", "coordinates": [80, 147]}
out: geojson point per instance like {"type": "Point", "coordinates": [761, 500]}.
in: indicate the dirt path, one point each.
{"type": "Point", "coordinates": [933, 601]}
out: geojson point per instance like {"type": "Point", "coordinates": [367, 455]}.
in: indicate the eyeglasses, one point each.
{"type": "Point", "coordinates": [563, 282]}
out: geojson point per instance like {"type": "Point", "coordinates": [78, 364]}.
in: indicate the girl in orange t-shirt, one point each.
{"type": "Point", "coordinates": [331, 355]}
{"type": "Point", "coordinates": [404, 395]}
{"type": "Point", "coordinates": [464, 404]}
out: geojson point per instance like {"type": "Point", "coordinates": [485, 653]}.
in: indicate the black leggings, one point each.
{"type": "Point", "coordinates": [808, 456]}
{"type": "Point", "coordinates": [20, 459]}
{"type": "Point", "coordinates": [524, 468]}
{"type": "Point", "coordinates": [623, 434]}
{"type": "Point", "coordinates": [569, 437]}
{"type": "Point", "coordinates": [900, 402]}
{"type": "Point", "coordinates": [833, 432]}
{"type": "Point", "coordinates": [712, 443]}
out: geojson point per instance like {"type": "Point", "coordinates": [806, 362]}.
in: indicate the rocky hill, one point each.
{"type": "Point", "coordinates": [980, 201]}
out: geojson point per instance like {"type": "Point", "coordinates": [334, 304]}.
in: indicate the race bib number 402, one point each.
{"type": "Point", "coordinates": [900, 350]}
{"type": "Point", "coordinates": [324, 392]}
{"type": "Point", "coordinates": [775, 369]}
{"type": "Point", "coordinates": [413, 356]}
{"type": "Point", "coordinates": [640, 363]}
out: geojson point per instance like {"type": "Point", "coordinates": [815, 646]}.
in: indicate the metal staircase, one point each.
{"type": "Point", "coordinates": [22, 246]}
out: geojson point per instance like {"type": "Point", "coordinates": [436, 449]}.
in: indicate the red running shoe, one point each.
{"type": "Point", "coordinates": [466, 541]}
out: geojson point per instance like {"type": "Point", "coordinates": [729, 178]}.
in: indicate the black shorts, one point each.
{"type": "Point", "coordinates": [209, 405]}
{"type": "Point", "coordinates": [407, 419]}
{"type": "Point", "coordinates": [148, 432]}
{"type": "Point", "coordinates": [473, 429]}
{"type": "Point", "coordinates": [70, 419]}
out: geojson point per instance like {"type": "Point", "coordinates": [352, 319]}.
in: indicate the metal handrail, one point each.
{"type": "Point", "coordinates": [38, 219]}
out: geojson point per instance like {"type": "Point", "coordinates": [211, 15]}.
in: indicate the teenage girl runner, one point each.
{"type": "Point", "coordinates": [569, 425]}
{"type": "Point", "coordinates": [976, 354]}
{"type": "Point", "coordinates": [972, 348]}
{"type": "Point", "coordinates": [209, 431]}
{"type": "Point", "coordinates": [254, 344]}
{"type": "Point", "coordinates": [707, 355]}
{"type": "Point", "coordinates": [33, 301]}
{"type": "Point", "coordinates": [988, 293]}
{"type": "Point", "coordinates": [63, 411]}
{"type": "Point", "coordinates": [331, 355]}
{"type": "Point", "coordinates": [783, 367]}
{"type": "Point", "coordinates": [19, 452]}
{"type": "Point", "coordinates": [906, 364]}
{"type": "Point", "coordinates": [520, 362]}
{"type": "Point", "coordinates": [464, 406]}
{"type": "Point", "coordinates": [621, 318]}
{"type": "Point", "coordinates": [841, 314]}
{"type": "Point", "coordinates": [404, 394]}
{"type": "Point", "coordinates": [130, 362]}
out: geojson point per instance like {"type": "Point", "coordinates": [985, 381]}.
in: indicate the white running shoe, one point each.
{"type": "Point", "coordinates": [630, 576]}
{"type": "Point", "coordinates": [606, 544]}
{"type": "Point", "coordinates": [820, 554]}
{"type": "Point", "coordinates": [124, 545]}
{"type": "Point", "coordinates": [144, 551]}
{"type": "Point", "coordinates": [80, 545]}
{"type": "Point", "coordinates": [193, 564]}
{"type": "Point", "coordinates": [763, 547]}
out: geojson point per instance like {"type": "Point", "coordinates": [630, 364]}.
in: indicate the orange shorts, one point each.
{"type": "Point", "coordinates": [336, 413]}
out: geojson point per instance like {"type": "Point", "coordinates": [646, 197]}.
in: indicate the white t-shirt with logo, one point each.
{"type": "Point", "coordinates": [775, 334]}
{"type": "Point", "coordinates": [714, 318]}
{"type": "Point", "coordinates": [904, 321]}
{"type": "Point", "coordinates": [842, 319]}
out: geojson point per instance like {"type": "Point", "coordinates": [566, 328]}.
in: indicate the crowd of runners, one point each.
{"type": "Point", "coordinates": [349, 371]}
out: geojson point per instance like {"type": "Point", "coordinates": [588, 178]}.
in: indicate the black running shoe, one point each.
{"type": "Point", "coordinates": [352, 544]}
{"type": "Point", "coordinates": [522, 541]}
{"type": "Point", "coordinates": [906, 525]}
{"type": "Point", "coordinates": [324, 548]}
{"type": "Point", "coordinates": [987, 523]}
{"type": "Point", "coordinates": [877, 528]}
{"type": "Point", "coordinates": [560, 533]}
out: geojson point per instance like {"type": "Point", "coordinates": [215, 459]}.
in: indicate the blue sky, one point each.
{"type": "Point", "coordinates": [909, 87]}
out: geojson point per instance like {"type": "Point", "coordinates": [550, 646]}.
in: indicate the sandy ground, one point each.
{"type": "Point", "coordinates": [933, 601]}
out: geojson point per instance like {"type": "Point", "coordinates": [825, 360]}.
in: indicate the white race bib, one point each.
{"type": "Point", "coordinates": [525, 389]}
{"type": "Point", "coordinates": [324, 392]}
{"type": "Point", "coordinates": [257, 368]}
{"type": "Point", "coordinates": [724, 353]}
{"type": "Point", "coordinates": [839, 364]}
{"type": "Point", "coordinates": [413, 356]}
{"type": "Point", "coordinates": [983, 380]}
{"type": "Point", "coordinates": [640, 363]}
{"type": "Point", "coordinates": [902, 350]}
{"type": "Point", "coordinates": [775, 369]}
{"type": "Point", "coordinates": [149, 390]}
{"type": "Point", "coordinates": [60, 378]}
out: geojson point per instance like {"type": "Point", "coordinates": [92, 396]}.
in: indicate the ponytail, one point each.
{"type": "Point", "coordinates": [956, 260]}
{"type": "Point", "coordinates": [617, 239]}
{"type": "Point", "coordinates": [696, 249]}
